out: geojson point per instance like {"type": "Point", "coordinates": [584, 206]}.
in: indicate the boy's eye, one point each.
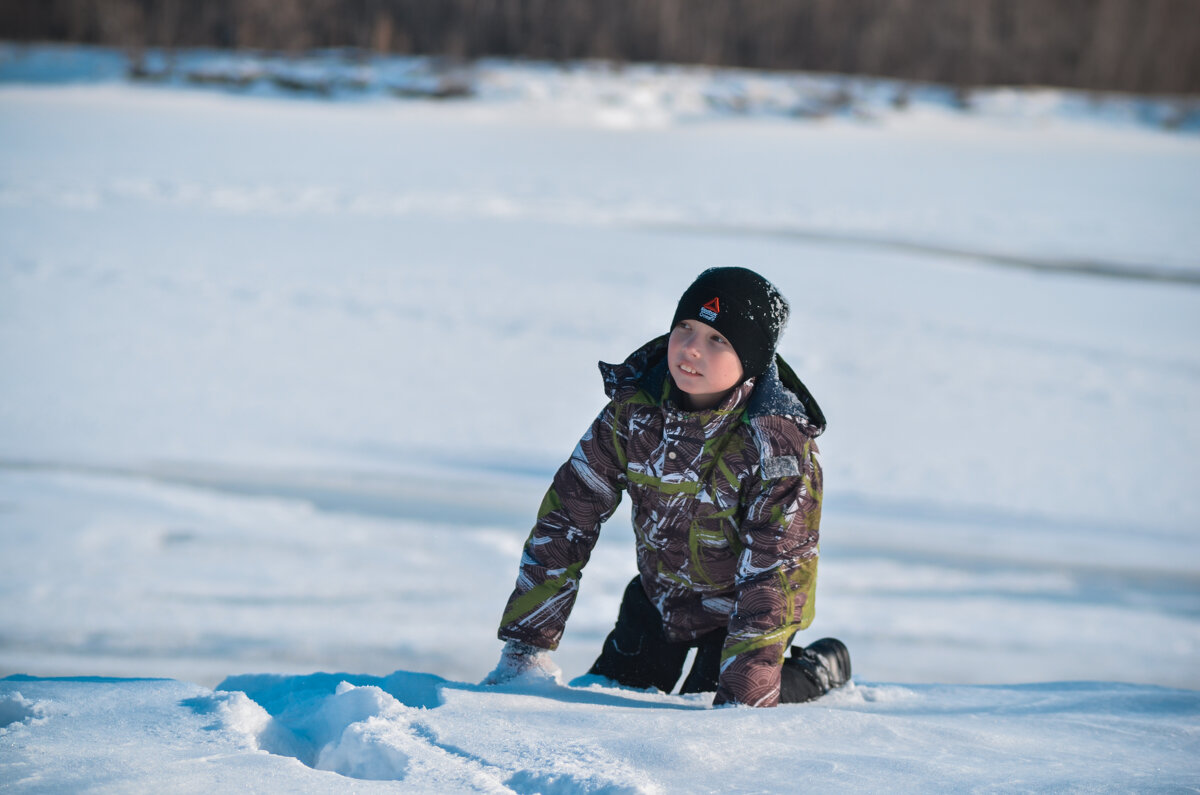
{"type": "Point", "coordinates": [719, 339]}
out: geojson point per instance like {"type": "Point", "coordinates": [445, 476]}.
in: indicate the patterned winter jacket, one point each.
{"type": "Point", "coordinates": [726, 509]}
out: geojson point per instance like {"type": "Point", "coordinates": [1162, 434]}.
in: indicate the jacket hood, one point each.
{"type": "Point", "coordinates": [778, 391]}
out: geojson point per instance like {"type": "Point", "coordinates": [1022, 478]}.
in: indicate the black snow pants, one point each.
{"type": "Point", "coordinates": [637, 654]}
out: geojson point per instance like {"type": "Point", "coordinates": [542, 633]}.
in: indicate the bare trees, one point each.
{"type": "Point", "coordinates": [1131, 45]}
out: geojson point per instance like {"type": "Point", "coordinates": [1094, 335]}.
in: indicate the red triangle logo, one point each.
{"type": "Point", "coordinates": [714, 306]}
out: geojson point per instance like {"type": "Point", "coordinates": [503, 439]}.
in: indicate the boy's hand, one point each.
{"type": "Point", "coordinates": [522, 661]}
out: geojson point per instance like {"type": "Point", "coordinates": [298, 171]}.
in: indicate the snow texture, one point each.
{"type": "Point", "coordinates": [424, 734]}
{"type": "Point", "coordinates": [285, 372]}
{"type": "Point", "coordinates": [15, 708]}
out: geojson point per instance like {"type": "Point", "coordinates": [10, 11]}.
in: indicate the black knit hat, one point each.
{"type": "Point", "coordinates": [744, 307]}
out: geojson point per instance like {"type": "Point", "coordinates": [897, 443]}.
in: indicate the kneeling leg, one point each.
{"type": "Point", "coordinates": [637, 653]}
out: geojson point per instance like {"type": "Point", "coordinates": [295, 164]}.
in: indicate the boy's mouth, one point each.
{"type": "Point", "coordinates": [690, 371]}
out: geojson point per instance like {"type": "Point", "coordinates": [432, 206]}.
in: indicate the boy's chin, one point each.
{"type": "Point", "coordinates": [684, 388]}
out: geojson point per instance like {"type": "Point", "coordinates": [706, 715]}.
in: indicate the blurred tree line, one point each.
{"type": "Point", "coordinates": [1126, 45]}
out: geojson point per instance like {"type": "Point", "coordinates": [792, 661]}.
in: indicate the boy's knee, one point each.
{"type": "Point", "coordinates": [637, 610]}
{"type": "Point", "coordinates": [636, 653]}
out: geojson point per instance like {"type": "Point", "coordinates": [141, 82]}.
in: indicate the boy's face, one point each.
{"type": "Point", "coordinates": [702, 363]}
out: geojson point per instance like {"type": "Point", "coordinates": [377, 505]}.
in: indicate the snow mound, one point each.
{"type": "Point", "coordinates": [361, 732]}
{"type": "Point", "coordinates": [15, 708]}
{"type": "Point", "coordinates": [127, 735]}
{"type": "Point", "coordinates": [357, 726]}
{"type": "Point", "coordinates": [378, 728]}
{"type": "Point", "coordinates": [358, 731]}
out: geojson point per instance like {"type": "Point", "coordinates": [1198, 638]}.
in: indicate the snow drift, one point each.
{"type": "Point", "coordinates": [432, 735]}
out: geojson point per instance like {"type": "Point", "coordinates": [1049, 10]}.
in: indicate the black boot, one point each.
{"type": "Point", "coordinates": [813, 671]}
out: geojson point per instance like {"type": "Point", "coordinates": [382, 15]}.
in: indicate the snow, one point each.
{"type": "Point", "coordinates": [283, 379]}
{"type": "Point", "coordinates": [322, 733]}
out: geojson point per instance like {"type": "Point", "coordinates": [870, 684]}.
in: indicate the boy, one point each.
{"type": "Point", "coordinates": [713, 437]}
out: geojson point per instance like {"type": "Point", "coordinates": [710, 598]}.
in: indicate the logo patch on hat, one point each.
{"type": "Point", "coordinates": [710, 310]}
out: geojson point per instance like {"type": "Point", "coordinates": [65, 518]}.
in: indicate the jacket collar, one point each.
{"type": "Point", "coordinates": [778, 392]}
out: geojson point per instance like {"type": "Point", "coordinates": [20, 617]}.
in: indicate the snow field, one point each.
{"type": "Point", "coordinates": [419, 733]}
{"type": "Point", "coordinates": [194, 323]}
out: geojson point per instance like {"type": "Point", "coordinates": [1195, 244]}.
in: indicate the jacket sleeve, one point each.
{"type": "Point", "coordinates": [585, 492]}
{"type": "Point", "coordinates": [776, 576]}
